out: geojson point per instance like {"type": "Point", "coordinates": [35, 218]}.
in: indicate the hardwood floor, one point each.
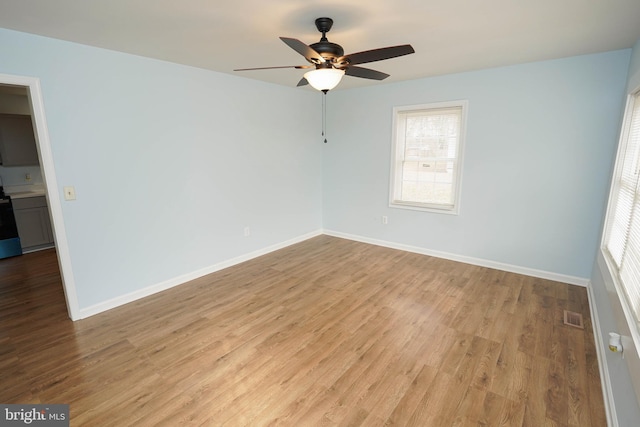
{"type": "Point", "coordinates": [324, 332]}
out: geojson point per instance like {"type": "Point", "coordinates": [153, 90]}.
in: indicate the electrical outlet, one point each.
{"type": "Point", "coordinates": [385, 220]}
{"type": "Point", "coordinates": [247, 232]}
{"type": "Point", "coordinates": [27, 177]}
{"type": "Point", "coordinates": [69, 193]}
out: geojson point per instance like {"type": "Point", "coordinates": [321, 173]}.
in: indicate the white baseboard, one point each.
{"type": "Point", "coordinates": [612, 419]}
{"type": "Point", "coordinates": [605, 379]}
{"type": "Point", "coordinates": [573, 280]}
{"type": "Point", "coordinates": [167, 284]}
{"type": "Point", "coordinates": [607, 391]}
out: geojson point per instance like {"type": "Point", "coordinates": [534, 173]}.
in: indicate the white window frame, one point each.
{"type": "Point", "coordinates": [398, 153]}
{"type": "Point", "coordinates": [633, 321]}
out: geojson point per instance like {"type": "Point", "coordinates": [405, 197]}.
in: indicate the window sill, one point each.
{"type": "Point", "coordinates": [449, 210]}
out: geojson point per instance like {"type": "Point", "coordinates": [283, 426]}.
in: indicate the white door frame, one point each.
{"type": "Point", "coordinates": [45, 156]}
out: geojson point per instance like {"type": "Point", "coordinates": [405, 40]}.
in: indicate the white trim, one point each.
{"type": "Point", "coordinates": [45, 156]}
{"type": "Point", "coordinates": [607, 391]}
{"type": "Point", "coordinates": [176, 281]}
{"type": "Point", "coordinates": [605, 379]}
{"type": "Point", "coordinates": [572, 280]}
{"type": "Point", "coordinates": [394, 185]}
{"type": "Point", "coordinates": [415, 206]}
{"type": "Point", "coordinates": [607, 265]}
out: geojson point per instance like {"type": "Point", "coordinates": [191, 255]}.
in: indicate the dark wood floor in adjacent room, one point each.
{"type": "Point", "coordinates": [324, 332]}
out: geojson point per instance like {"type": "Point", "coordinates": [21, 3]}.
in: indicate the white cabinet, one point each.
{"type": "Point", "coordinates": [34, 225]}
{"type": "Point", "coordinates": [17, 141]}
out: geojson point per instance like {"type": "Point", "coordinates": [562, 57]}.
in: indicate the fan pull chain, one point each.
{"type": "Point", "coordinates": [324, 115]}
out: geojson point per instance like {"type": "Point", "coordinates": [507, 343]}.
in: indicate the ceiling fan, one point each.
{"type": "Point", "coordinates": [329, 62]}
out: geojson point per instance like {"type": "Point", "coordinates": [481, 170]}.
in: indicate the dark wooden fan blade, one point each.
{"type": "Point", "coordinates": [377, 54]}
{"type": "Point", "coordinates": [273, 68]}
{"type": "Point", "coordinates": [365, 73]}
{"type": "Point", "coordinates": [304, 50]}
{"type": "Point", "coordinates": [302, 82]}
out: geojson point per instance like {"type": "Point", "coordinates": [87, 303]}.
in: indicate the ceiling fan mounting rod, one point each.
{"type": "Point", "coordinates": [324, 47]}
{"type": "Point", "coordinates": [324, 25]}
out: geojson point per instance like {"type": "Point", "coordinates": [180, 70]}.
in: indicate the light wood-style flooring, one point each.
{"type": "Point", "coordinates": [326, 332]}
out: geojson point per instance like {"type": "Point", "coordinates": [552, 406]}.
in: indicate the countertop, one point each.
{"type": "Point", "coordinates": [24, 191]}
{"type": "Point", "coordinates": [25, 194]}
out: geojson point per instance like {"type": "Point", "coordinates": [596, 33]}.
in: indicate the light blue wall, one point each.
{"type": "Point", "coordinates": [169, 163]}
{"type": "Point", "coordinates": [539, 145]}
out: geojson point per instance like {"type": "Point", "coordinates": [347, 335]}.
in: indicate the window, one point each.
{"type": "Point", "coordinates": [427, 156]}
{"type": "Point", "coordinates": [622, 233]}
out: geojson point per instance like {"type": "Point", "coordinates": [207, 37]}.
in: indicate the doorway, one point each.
{"type": "Point", "coordinates": [35, 108]}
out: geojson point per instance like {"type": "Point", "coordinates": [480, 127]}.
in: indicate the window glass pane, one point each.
{"type": "Point", "coordinates": [427, 148]}
{"type": "Point", "coordinates": [622, 238]}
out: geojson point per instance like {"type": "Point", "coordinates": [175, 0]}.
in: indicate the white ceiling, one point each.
{"type": "Point", "coordinates": [449, 36]}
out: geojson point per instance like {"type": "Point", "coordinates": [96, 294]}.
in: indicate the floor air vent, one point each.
{"type": "Point", "coordinates": [574, 319]}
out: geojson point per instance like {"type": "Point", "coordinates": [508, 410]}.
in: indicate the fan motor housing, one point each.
{"type": "Point", "coordinates": [324, 47]}
{"type": "Point", "coordinates": [327, 49]}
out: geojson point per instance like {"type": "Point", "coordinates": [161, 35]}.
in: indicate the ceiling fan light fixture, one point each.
{"type": "Point", "coordinates": [324, 78]}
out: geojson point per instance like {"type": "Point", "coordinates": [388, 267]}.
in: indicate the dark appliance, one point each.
{"type": "Point", "coordinates": [9, 240]}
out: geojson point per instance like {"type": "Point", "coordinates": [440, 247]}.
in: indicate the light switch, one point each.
{"type": "Point", "coordinates": [69, 193]}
